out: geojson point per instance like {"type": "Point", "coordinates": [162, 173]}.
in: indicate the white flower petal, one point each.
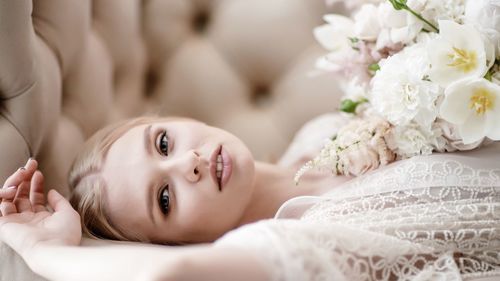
{"type": "Point", "coordinates": [492, 125]}
{"type": "Point", "coordinates": [473, 129]}
{"type": "Point", "coordinates": [461, 36]}
{"type": "Point", "coordinates": [366, 24]}
{"type": "Point", "coordinates": [338, 20]}
{"type": "Point", "coordinates": [455, 106]}
{"type": "Point", "coordinates": [326, 35]}
{"type": "Point", "coordinates": [334, 35]}
{"type": "Point", "coordinates": [454, 39]}
{"type": "Point", "coordinates": [325, 64]}
{"type": "Point", "coordinates": [493, 115]}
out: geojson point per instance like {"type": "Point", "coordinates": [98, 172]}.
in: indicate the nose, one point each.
{"type": "Point", "coordinates": [186, 165]}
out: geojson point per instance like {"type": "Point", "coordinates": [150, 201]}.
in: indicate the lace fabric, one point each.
{"type": "Point", "coordinates": [425, 218]}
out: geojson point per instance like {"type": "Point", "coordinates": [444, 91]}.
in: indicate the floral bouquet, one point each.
{"type": "Point", "coordinates": [420, 76]}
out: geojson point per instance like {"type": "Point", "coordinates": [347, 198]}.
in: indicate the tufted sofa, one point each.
{"type": "Point", "coordinates": [69, 67]}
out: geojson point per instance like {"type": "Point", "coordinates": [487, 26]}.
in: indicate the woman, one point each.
{"type": "Point", "coordinates": [180, 181]}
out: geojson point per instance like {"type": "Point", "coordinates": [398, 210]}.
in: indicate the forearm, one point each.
{"type": "Point", "coordinates": [110, 262]}
{"type": "Point", "coordinates": [221, 264]}
{"type": "Point", "coordinates": [145, 262]}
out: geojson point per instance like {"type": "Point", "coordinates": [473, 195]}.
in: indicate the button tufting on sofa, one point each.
{"type": "Point", "coordinates": [70, 67]}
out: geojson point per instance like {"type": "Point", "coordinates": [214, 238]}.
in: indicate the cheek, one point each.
{"type": "Point", "coordinates": [199, 213]}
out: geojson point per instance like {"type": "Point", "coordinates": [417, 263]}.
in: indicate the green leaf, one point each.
{"type": "Point", "coordinates": [488, 76]}
{"type": "Point", "coordinates": [374, 67]}
{"type": "Point", "coordinates": [353, 40]}
{"type": "Point", "coordinates": [349, 106]}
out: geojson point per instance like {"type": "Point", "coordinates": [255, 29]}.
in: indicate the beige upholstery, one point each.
{"type": "Point", "coordinates": [68, 67]}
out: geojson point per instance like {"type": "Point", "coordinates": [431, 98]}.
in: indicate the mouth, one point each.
{"type": "Point", "coordinates": [220, 167]}
{"type": "Point", "coordinates": [216, 166]}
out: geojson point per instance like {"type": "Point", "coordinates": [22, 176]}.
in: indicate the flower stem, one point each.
{"type": "Point", "coordinates": [421, 18]}
{"type": "Point", "coordinates": [401, 5]}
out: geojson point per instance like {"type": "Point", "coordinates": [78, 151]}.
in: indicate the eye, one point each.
{"type": "Point", "coordinates": [164, 200]}
{"type": "Point", "coordinates": [163, 143]}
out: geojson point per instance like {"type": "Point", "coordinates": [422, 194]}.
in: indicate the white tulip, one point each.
{"type": "Point", "coordinates": [458, 52]}
{"type": "Point", "coordinates": [473, 105]}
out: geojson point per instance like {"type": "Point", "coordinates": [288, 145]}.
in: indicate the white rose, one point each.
{"type": "Point", "coordinates": [486, 15]}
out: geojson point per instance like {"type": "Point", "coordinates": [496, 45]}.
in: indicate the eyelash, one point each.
{"type": "Point", "coordinates": [162, 147]}
{"type": "Point", "coordinates": [164, 201]}
{"type": "Point", "coordinates": [164, 196]}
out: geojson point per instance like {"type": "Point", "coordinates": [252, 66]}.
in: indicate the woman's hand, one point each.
{"type": "Point", "coordinates": [25, 222]}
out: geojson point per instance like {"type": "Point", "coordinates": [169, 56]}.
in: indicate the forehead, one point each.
{"type": "Point", "coordinates": [125, 171]}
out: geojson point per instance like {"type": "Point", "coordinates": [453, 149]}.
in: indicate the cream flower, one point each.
{"type": "Point", "coordinates": [357, 160]}
{"type": "Point", "coordinates": [334, 36]}
{"type": "Point", "coordinates": [366, 24]}
{"type": "Point", "coordinates": [459, 52]}
{"type": "Point", "coordinates": [486, 15]}
{"type": "Point", "coordinates": [412, 140]}
{"type": "Point", "coordinates": [400, 92]}
{"type": "Point", "coordinates": [358, 147]}
{"type": "Point", "coordinates": [453, 139]}
{"type": "Point", "coordinates": [396, 26]}
{"type": "Point", "coordinates": [474, 106]}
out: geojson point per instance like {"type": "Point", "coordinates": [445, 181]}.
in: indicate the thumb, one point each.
{"type": "Point", "coordinates": [57, 202]}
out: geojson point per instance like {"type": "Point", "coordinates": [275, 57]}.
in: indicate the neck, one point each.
{"type": "Point", "coordinates": [273, 186]}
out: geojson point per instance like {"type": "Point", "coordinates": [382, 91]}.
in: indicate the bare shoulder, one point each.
{"type": "Point", "coordinates": [309, 140]}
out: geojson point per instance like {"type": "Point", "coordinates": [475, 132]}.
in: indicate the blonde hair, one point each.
{"type": "Point", "coordinates": [88, 187]}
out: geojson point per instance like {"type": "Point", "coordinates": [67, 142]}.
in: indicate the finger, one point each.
{"type": "Point", "coordinates": [58, 202]}
{"type": "Point", "coordinates": [8, 193]}
{"type": "Point", "coordinates": [7, 207]}
{"type": "Point", "coordinates": [22, 174]}
{"type": "Point", "coordinates": [37, 197]}
{"type": "Point", "coordinates": [22, 201]}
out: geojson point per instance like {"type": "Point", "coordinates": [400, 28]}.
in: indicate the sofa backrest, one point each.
{"type": "Point", "coordinates": [69, 67]}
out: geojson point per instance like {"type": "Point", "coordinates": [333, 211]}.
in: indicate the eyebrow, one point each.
{"type": "Point", "coordinates": [149, 194]}
{"type": "Point", "coordinates": [149, 202]}
{"type": "Point", "coordinates": [147, 137]}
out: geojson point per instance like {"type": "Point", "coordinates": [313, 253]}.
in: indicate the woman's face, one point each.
{"type": "Point", "coordinates": [164, 184]}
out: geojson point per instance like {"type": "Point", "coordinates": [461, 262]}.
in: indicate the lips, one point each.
{"type": "Point", "coordinates": [213, 166]}
{"type": "Point", "coordinates": [227, 168]}
{"type": "Point", "coordinates": [220, 167]}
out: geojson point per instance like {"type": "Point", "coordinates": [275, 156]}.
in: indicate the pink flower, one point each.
{"type": "Point", "coordinates": [453, 139]}
{"type": "Point", "coordinates": [357, 160]}
{"type": "Point", "coordinates": [362, 146]}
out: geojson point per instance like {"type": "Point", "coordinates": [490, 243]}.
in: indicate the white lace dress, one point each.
{"type": "Point", "coordinates": [425, 218]}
